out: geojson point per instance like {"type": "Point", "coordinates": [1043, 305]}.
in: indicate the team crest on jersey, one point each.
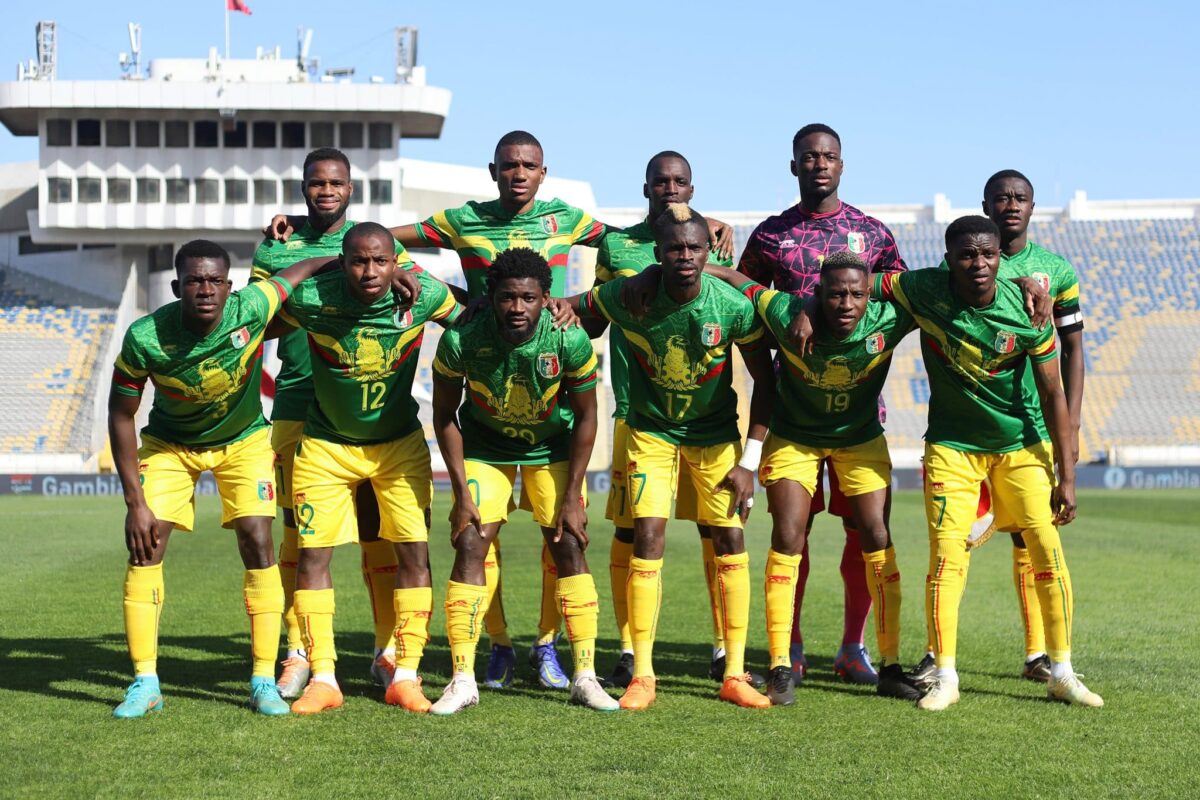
{"type": "Point", "coordinates": [404, 319]}
{"type": "Point", "coordinates": [550, 224]}
{"type": "Point", "coordinates": [875, 343]}
{"type": "Point", "coordinates": [711, 334]}
{"type": "Point", "coordinates": [547, 365]}
{"type": "Point", "coordinates": [1006, 342]}
{"type": "Point", "coordinates": [240, 338]}
{"type": "Point", "coordinates": [1043, 279]}
{"type": "Point", "coordinates": [856, 242]}
{"type": "Point", "coordinates": [266, 490]}
{"type": "Point", "coordinates": [787, 244]}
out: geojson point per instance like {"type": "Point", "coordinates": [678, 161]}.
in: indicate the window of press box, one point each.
{"type": "Point", "coordinates": [177, 133]}
{"type": "Point", "coordinates": [359, 195]}
{"type": "Point", "coordinates": [178, 190]}
{"type": "Point", "coordinates": [380, 135]}
{"type": "Point", "coordinates": [291, 134]}
{"type": "Point", "coordinates": [266, 191]}
{"type": "Point", "coordinates": [58, 132]}
{"type": "Point", "coordinates": [237, 190]}
{"type": "Point", "coordinates": [27, 247]}
{"type": "Point", "coordinates": [160, 257]}
{"type": "Point", "coordinates": [119, 190]}
{"type": "Point", "coordinates": [116, 133]}
{"type": "Point", "coordinates": [58, 190]}
{"type": "Point", "coordinates": [381, 192]}
{"type": "Point", "coordinates": [264, 134]}
{"type": "Point", "coordinates": [89, 190]}
{"type": "Point", "coordinates": [205, 131]}
{"type": "Point", "coordinates": [293, 191]}
{"type": "Point", "coordinates": [149, 190]}
{"type": "Point", "coordinates": [146, 133]}
{"type": "Point", "coordinates": [208, 190]}
{"type": "Point", "coordinates": [87, 132]}
{"type": "Point", "coordinates": [321, 133]}
{"type": "Point", "coordinates": [350, 135]}
{"type": "Point", "coordinates": [235, 135]}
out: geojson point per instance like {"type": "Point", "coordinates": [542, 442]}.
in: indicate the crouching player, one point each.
{"type": "Point", "coordinates": [683, 435]}
{"type": "Point", "coordinates": [530, 407]}
{"type": "Point", "coordinates": [977, 344]}
{"type": "Point", "coordinates": [203, 354]}
{"type": "Point", "coordinates": [362, 427]}
{"type": "Point", "coordinates": [826, 407]}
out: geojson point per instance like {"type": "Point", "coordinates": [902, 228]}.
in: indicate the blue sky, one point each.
{"type": "Point", "coordinates": [928, 96]}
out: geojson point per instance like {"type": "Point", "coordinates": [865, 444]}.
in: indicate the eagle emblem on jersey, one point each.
{"type": "Point", "coordinates": [856, 243]}
{"type": "Point", "coordinates": [547, 365]}
{"type": "Point", "coordinates": [674, 369]}
{"type": "Point", "coordinates": [518, 238]}
{"type": "Point", "coordinates": [1006, 342]}
{"type": "Point", "coordinates": [836, 373]}
{"type": "Point", "coordinates": [711, 334]}
{"type": "Point", "coordinates": [519, 405]}
{"type": "Point", "coordinates": [875, 343]}
{"type": "Point", "coordinates": [371, 359]}
{"type": "Point", "coordinates": [240, 338]}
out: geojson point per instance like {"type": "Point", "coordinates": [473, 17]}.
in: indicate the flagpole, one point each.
{"type": "Point", "coordinates": [226, 31]}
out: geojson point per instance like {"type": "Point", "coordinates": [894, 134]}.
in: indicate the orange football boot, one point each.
{"type": "Point", "coordinates": [408, 695]}
{"type": "Point", "coordinates": [737, 690]}
{"type": "Point", "coordinates": [639, 694]}
{"type": "Point", "coordinates": [318, 697]}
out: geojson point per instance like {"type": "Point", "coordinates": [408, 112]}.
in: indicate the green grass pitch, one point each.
{"type": "Point", "coordinates": [63, 667]}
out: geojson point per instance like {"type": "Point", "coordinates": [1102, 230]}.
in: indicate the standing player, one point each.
{"type": "Point", "coordinates": [977, 344]}
{"type": "Point", "coordinates": [826, 407]}
{"type": "Point", "coordinates": [623, 254]}
{"type": "Point", "coordinates": [530, 407]}
{"type": "Point", "coordinates": [327, 192]}
{"type": "Point", "coordinates": [786, 251]}
{"type": "Point", "coordinates": [204, 355]}
{"type": "Point", "coordinates": [683, 426]}
{"type": "Point", "coordinates": [362, 427]}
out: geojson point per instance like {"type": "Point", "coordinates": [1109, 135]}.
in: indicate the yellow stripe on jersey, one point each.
{"type": "Point", "coordinates": [1042, 351]}
{"type": "Point", "coordinates": [751, 337]}
{"type": "Point", "coordinates": [447, 229]}
{"type": "Point", "coordinates": [585, 369]}
{"type": "Point", "coordinates": [131, 371]}
{"type": "Point", "coordinates": [441, 369]}
{"type": "Point", "coordinates": [1068, 294]}
{"type": "Point", "coordinates": [447, 310]}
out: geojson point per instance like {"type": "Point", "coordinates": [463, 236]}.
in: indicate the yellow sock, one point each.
{"type": "Point", "coordinates": [1053, 583]}
{"type": "Point", "coordinates": [551, 618]}
{"type": "Point", "coordinates": [943, 592]}
{"type": "Point", "coordinates": [315, 609]}
{"type": "Point", "coordinates": [643, 592]}
{"type": "Point", "coordinates": [414, 607]}
{"type": "Point", "coordinates": [781, 600]}
{"type": "Point", "coordinates": [733, 584]}
{"type": "Point", "coordinates": [289, 559]}
{"type": "Point", "coordinates": [883, 581]}
{"type": "Point", "coordinates": [1031, 607]}
{"type": "Point", "coordinates": [144, 593]}
{"type": "Point", "coordinates": [580, 607]}
{"type": "Point", "coordinates": [714, 602]}
{"type": "Point", "coordinates": [618, 573]}
{"type": "Point", "coordinates": [379, 568]}
{"type": "Point", "coordinates": [493, 621]}
{"type": "Point", "coordinates": [464, 610]}
{"type": "Point", "coordinates": [263, 593]}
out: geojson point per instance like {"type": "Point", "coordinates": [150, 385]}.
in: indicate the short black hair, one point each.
{"type": "Point", "coordinates": [325, 154]}
{"type": "Point", "coordinates": [517, 139]}
{"type": "Point", "coordinates": [675, 215]}
{"type": "Point", "coordinates": [814, 127]}
{"type": "Point", "coordinates": [366, 229]}
{"type": "Point", "coordinates": [519, 263]}
{"type": "Point", "coordinates": [200, 248]}
{"type": "Point", "coordinates": [843, 259]}
{"type": "Point", "coordinates": [666, 154]}
{"type": "Point", "coordinates": [1002, 175]}
{"type": "Point", "coordinates": [969, 225]}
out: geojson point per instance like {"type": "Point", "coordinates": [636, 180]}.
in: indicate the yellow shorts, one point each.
{"type": "Point", "coordinates": [542, 490]}
{"type": "Point", "coordinates": [1021, 481]}
{"type": "Point", "coordinates": [168, 473]}
{"type": "Point", "coordinates": [285, 435]}
{"type": "Point", "coordinates": [657, 469]}
{"type": "Point", "coordinates": [618, 509]}
{"type": "Point", "coordinates": [861, 469]}
{"type": "Point", "coordinates": [326, 476]}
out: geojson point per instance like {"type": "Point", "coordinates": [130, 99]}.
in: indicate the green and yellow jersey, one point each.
{"type": "Point", "coordinates": [516, 409]}
{"type": "Point", "coordinates": [976, 361]}
{"type": "Point", "coordinates": [830, 398]}
{"type": "Point", "coordinates": [206, 389]}
{"type": "Point", "coordinates": [293, 384]}
{"type": "Point", "coordinates": [621, 255]}
{"type": "Point", "coordinates": [364, 357]}
{"type": "Point", "coordinates": [480, 231]}
{"type": "Point", "coordinates": [682, 390]}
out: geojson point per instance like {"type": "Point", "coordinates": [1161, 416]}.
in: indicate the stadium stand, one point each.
{"type": "Point", "coordinates": [49, 348]}
{"type": "Point", "coordinates": [1140, 292]}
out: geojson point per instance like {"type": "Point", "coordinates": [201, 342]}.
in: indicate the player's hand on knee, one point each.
{"type": "Point", "coordinates": [563, 315]}
{"type": "Point", "coordinates": [464, 517]}
{"type": "Point", "coordinates": [740, 481]}
{"type": "Point", "coordinates": [141, 534]}
{"type": "Point", "coordinates": [1062, 503]}
{"type": "Point", "coordinates": [572, 520]}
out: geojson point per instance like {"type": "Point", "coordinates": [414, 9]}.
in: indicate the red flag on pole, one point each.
{"type": "Point", "coordinates": [237, 5]}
